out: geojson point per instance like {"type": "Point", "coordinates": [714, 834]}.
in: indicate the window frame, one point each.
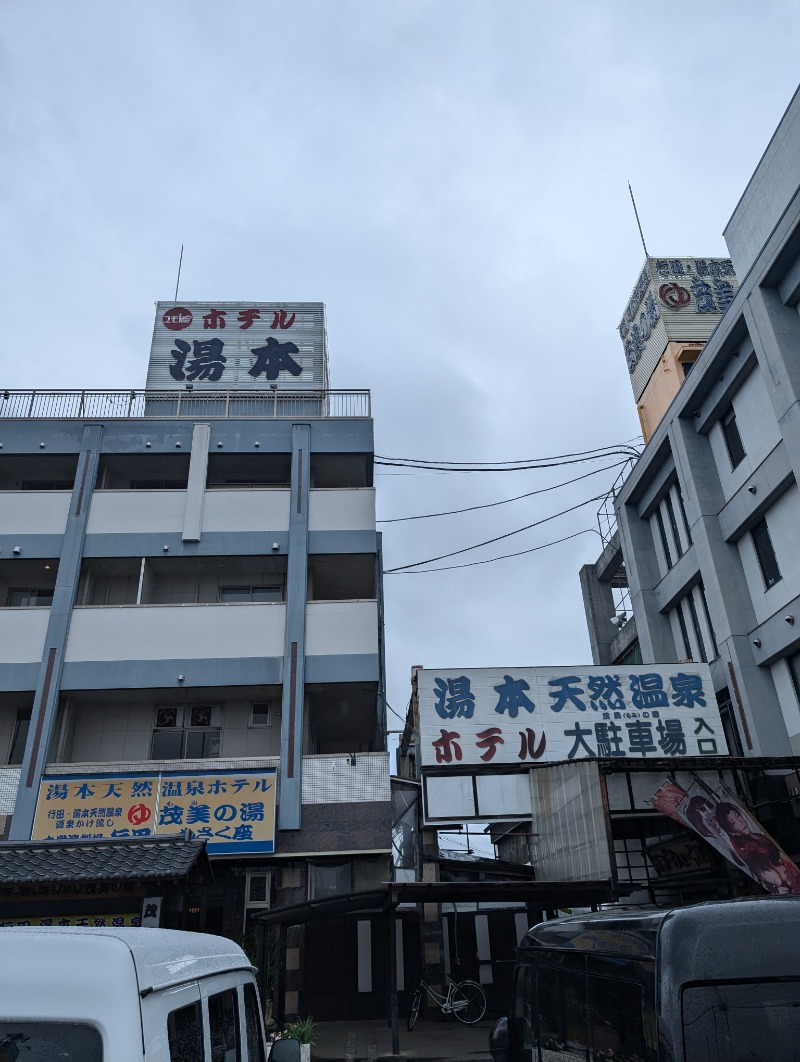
{"type": "Point", "coordinates": [186, 732]}
{"type": "Point", "coordinates": [733, 438]}
{"type": "Point", "coordinates": [765, 554]}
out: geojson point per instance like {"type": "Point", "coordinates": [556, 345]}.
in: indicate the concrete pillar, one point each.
{"type": "Point", "coordinates": [598, 604]}
{"type": "Point", "coordinates": [641, 566]}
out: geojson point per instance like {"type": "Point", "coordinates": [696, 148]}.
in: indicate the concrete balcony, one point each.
{"type": "Point", "coordinates": [175, 632]}
{"type": "Point", "coordinates": [136, 512]}
{"type": "Point", "coordinates": [342, 510]}
{"type": "Point", "coordinates": [22, 634]}
{"type": "Point", "coordinates": [34, 512]}
{"type": "Point", "coordinates": [341, 628]}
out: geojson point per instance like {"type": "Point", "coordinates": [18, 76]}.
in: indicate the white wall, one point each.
{"type": "Point", "coordinates": [783, 521]}
{"type": "Point", "coordinates": [22, 633]}
{"type": "Point", "coordinates": [341, 627]}
{"type": "Point", "coordinates": [758, 428]}
{"type": "Point", "coordinates": [168, 632]}
{"type": "Point", "coordinates": [253, 509]}
{"type": "Point", "coordinates": [342, 510]}
{"type": "Point", "coordinates": [34, 512]}
{"type": "Point", "coordinates": [784, 687]}
{"type": "Point", "coordinates": [134, 511]}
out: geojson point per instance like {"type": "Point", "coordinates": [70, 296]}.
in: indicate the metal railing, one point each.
{"type": "Point", "coordinates": [103, 405]}
{"type": "Point", "coordinates": [606, 514]}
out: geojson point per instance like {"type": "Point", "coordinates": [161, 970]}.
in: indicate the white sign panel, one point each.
{"type": "Point", "coordinates": [238, 346]}
{"type": "Point", "coordinates": [527, 716]}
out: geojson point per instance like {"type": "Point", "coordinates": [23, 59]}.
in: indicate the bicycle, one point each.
{"type": "Point", "coordinates": [465, 1001]}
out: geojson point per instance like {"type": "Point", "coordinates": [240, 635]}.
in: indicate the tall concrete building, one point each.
{"type": "Point", "coordinates": [707, 521]}
{"type": "Point", "coordinates": [191, 640]}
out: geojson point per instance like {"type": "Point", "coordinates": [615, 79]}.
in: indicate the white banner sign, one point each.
{"type": "Point", "coordinates": [539, 715]}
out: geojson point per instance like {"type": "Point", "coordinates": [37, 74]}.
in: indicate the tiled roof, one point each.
{"type": "Point", "coordinates": [34, 862]}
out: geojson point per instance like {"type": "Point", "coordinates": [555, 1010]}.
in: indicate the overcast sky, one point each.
{"type": "Point", "coordinates": [448, 176]}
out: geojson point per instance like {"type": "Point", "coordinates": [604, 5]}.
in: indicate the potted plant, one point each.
{"type": "Point", "coordinates": [304, 1030]}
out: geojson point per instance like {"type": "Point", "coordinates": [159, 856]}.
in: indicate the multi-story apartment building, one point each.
{"type": "Point", "coordinates": [191, 623]}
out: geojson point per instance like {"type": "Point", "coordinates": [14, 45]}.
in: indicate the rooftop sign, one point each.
{"type": "Point", "coordinates": [238, 346]}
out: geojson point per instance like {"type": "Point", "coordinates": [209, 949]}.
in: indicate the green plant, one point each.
{"type": "Point", "coordinates": [304, 1030]}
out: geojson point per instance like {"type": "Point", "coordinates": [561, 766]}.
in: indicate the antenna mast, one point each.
{"type": "Point", "coordinates": [180, 263]}
{"type": "Point", "coordinates": [636, 212]}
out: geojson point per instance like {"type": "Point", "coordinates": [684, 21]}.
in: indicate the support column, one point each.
{"type": "Point", "coordinates": [196, 486]}
{"type": "Point", "coordinates": [762, 731]}
{"type": "Point", "coordinates": [294, 653]}
{"type": "Point", "coordinates": [652, 628]}
{"type": "Point", "coordinates": [48, 683]}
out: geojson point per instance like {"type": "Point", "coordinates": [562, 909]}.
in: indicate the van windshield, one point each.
{"type": "Point", "coordinates": [759, 1021]}
{"type": "Point", "coordinates": [49, 1041]}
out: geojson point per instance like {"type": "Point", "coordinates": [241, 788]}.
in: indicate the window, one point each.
{"type": "Point", "coordinates": [27, 597]}
{"type": "Point", "coordinates": [260, 714]}
{"type": "Point", "coordinates": [733, 439]}
{"type": "Point", "coordinates": [189, 732]}
{"type": "Point", "coordinates": [252, 1025]}
{"type": "Point", "coordinates": [223, 1026]}
{"type": "Point", "coordinates": [663, 534]}
{"type": "Point", "coordinates": [331, 879]}
{"type": "Point", "coordinates": [19, 736]}
{"type": "Point", "coordinates": [698, 634]}
{"type": "Point", "coordinates": [51, 1039]}
{"type": "Point", "coordinates": [767, 561]}
{"type": "Point", "coordinates": [687, 647]}
{"type": "Point", "coordinates": [235, 594]}
{"type": "Point", "coordinates": [185, 1033]}
{"type": "Point", "coordinates": [673, 523]}
{"type": "Point", "coordinates": [683, 515]}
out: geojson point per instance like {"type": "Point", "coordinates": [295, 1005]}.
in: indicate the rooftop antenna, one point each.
{"type": "Point", "coordinates": [636, 212]}
{"type": "Point", "coordinates": [180, 262]}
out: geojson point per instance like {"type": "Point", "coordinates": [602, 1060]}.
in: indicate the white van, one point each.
{"type": "Point", "coordinates": [119, 995]}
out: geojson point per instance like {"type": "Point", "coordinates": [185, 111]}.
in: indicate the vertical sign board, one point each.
{"type": "Point", "coordinates": [238, 346]}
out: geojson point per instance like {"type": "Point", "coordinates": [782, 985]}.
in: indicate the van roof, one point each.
{"type": "Point", "coordinates": [162, 957]}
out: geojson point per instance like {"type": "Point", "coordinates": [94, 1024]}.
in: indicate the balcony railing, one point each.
{"type": "Point", "coordinates": [103, 405]}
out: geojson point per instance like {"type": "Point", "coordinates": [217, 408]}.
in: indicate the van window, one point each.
{"type": "Point", "coordinates": [615, 1013]}
{"type": "Point", "coordinates": [223, 1025]}
{"type": "Point", "coordinates": [185, 1033]}
{"type": "Point", "coordinates": [252, 1024]}
{"type": "Point", "coordinates": [562, 1012]}
{"type": "Point", "coordinates": [758, 1020]}
{"type": "Point", "coordinates": [39, 1041]}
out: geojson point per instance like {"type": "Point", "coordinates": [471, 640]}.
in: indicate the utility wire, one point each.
{"type": "Point", "coordinates": [529, 467]}
{"type": "Point", "coordinates": [491, 560]}
{"type": "Point", "coordinates": [621, 449]}
{"type": "Point", "coordinates": [497, 538]}
{"type": "Point", "coordinates": [504, 501]}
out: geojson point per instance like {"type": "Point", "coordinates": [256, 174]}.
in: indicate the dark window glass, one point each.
{"type": "Point", "coordinates": [167, 744]}
{"type": "Point", "coordinates": [185, 1034]}
{"type": "Point", "coordinates": [687, 647]}
{"type": "Point", "coordinates": [20, 736]}
{"type": "Point", "coordinates": [682, 508]}
{"type": "Point", "coordinates": [632, 655]}
{"type": "Point", "coordinates": [673, 525]}
{"type": "Point", "coordinates": [767, 560]}
{"type": "Point", "coordinates": [332, 879]}
{"type": "Point", "coordinates": [30, 596]}
{"type": "Point", "coordinates": [707, 614]}
{"type": "Point", "coordinates": [696, 627]}
{"type": "Point", "coordinates": [736, 1021]}
{"type": "Point", "coordinates": [202, 744]}
{"type": "Point", "coordinates": [662, 532]}
{"type": "Point", "coordinates": [223, 1026]}
{"type": "Point", "coordinates": [234, 594]}
{"type": "Point", "coordinates": [615, 1016]}
{"type": "Point", "coordinates": [260, 714]}
{"type": "Point", "coordinates": [521, 1030]}
{"type": "Point", "coordinates": [252, 1024]}
{"type": "Point", "coordinates": [37, 1041]}
{"type": "Point", "coordinates": [185, 733]}
{"type": "Point", "coordinates": [733, 439]}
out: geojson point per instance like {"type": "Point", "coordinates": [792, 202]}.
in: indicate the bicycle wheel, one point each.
{"type": "Point", "coordinates": [469, 1002]}
{"type": "Point", "coordinates": [413, 1014]}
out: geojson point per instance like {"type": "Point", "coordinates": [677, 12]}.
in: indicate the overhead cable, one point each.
{"type": "Point", "coordinates": [497, 538]}
{"type": "Point", "coordinates": [503, 501]}
{"type": "Point", "coordinates": [491, 560]}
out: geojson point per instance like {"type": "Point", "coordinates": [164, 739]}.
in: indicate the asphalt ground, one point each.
{"type": "Point", "coordinates": [430, 1041]}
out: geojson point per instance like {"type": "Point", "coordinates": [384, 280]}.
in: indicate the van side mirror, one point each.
{"type": "Point", "coordinates": [498, 1040]}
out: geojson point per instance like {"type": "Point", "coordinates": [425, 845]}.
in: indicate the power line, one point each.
{"type": "Point", "coordinates": [497, 538]}
{"type": "Point", "coordinates": [622, 449]}
{"type": "Point", "coordinates": [491, 560]}
{"type": "Point", "coordinates": [504, 501]}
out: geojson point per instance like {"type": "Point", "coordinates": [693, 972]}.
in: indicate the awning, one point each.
{"type": "Point", "coordinates": [108, 859]}
{"type": "Point", "coordinates": [544, 894]}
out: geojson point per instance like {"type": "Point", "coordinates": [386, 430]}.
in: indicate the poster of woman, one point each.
{"type": "Point", "coordinates": [719, 818]}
